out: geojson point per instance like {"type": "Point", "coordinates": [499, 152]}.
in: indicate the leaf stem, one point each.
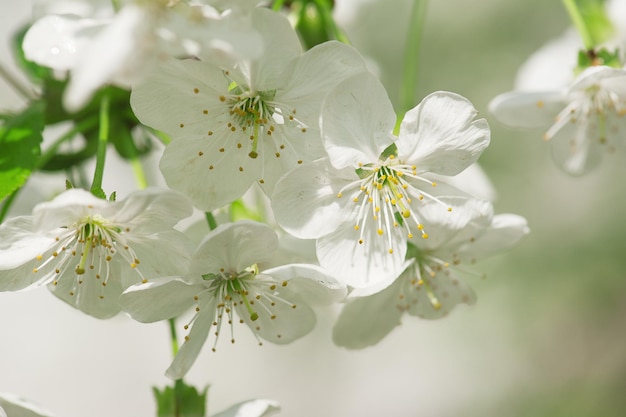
{"type": "Point", "coordinates": [411, 60]}
{"type": "Point", "coordinates": [325, 11]}
{"type": "Point", "coordinates": [210, 220]}
{"type": "Point", "coordinates": [52, 149]}
{"type": "Point", "coordinates": [103, 138]}
{"type": "Point", "coordinates": [277, 5]}
{"type": "Point", "coordinates": [173, 336]}
{"type": "Point", "coordinates": [16, 84]}
{"type": "Point", "coordinates": [579, 22]}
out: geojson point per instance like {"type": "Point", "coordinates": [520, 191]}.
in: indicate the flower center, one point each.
{"type": "Point", "coordinates": [245, 292]}
{"type": "Point", "coordinates": [385, 195]}
{"type": "Point", "coordinates": [88, 248]}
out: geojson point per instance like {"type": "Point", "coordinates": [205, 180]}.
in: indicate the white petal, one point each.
{"type": "Point", "coordinates": [66, 209]}
{"type": "Point", "coordinates": [366, 321]}
{"type": "Point", "coordinates": [177, 93]}
{"type": "Point", "coordinates": [105, 57]}
{"type": "Point", "coordinates": [357, 121]}
{"type": "Point", "coordinates": [234, 247]}
{"type": "Point", "coordinates": [280, 323]}
{"type": "Point", "coordinates": [57, 41]}
{"type": "Point", "coordinates": [576, 146]}
{"type": "Point", "coordinates": [440, 134]}
{"type": "Point", "coordinates": [91, 296]}
{"type": "Point", "coordinates": [147, 207]}
{"type": "Point", "coordinates": [305, 201]}
{"type": "Point", "coordinates": [437, 296]}
{"type": "Point", "coordinates": [505, 231]}
{"type": "Point", "coordinates": [311, 283]}
{"type": "Point", "coordinates": [211, 172]}
{"type": "Point", "coordinates": [251, 408]}
{"type": "Point", "coordinates": [13, 406]}
{"type": "Point", "coordinates": [190, 349]}
{"type": "Point", "coordinates": [281, 44]}
{"type": "Point", "coordinates": [527, 109]}
{"type": "Point", "coordinates": [363, 266]}
{"type": "Point", "coordinates": [18, 244]}
{"type": "Point", "coordinates": [160, 299]}
{"type": "Point", "coordinates": [473, 180]}
{"type": "Point", "coordinates": [314, 73]}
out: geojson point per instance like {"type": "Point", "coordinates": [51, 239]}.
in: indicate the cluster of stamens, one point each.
{"type": "Point", "coordinates": [384, 195]}
{"type": "Point", "coordinates": [243, 292]}
{"type": "Point", "coordinates": [95, 242]}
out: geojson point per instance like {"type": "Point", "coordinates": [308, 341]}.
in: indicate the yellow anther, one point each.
{"type": "Point", "coordinates": [380, 232]}
{"type": "Point", "coordinates": [420, 226]}
{"type": "Point", "coordinates": [390, 250]}
{"type": "Point", "coordinates": [425, 235]}
{"type": "Point", "coordinates": [434, 184]}
{"type": "Point", "coordinates": [449, 208]}
{"type": "Point", "coordinates": [406, 214]}
{"type": "Point", "coordinates": [39, 257]}
{"type": "Point", "coordinates": [410, 235]}
{"type": "Point", "coordinates": [356, 227]}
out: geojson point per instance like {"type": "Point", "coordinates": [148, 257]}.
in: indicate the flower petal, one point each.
{"type": "Point", "coordinates": [363, 266]}
{"type": "Point", "coordinates": [66, 208]}
{"type": "Point", "coordinates": [357, 121]}
{"type": "Point", "coordinates": [159, 299]}
{"type": "Point", "coordinates": [305, 200]}
{"type": "Point", "coordinates": [14, 406]}
{"type": "Point", "coordinates": [310, 283]}
{"type": "Point", "coordinates": [527, 109]}
{"type": "Point", "coordinates": [234, 247]}
{"type": "Point", "coordinates": [366, 321]}
{"type": "Point", "coordinates": [188, 352]}
{"type": "Point", "coordinates": [440, 134]}
{"type": "Point", "coordinates": [251, 408]}
{"type": "Point", "coordinates": [211, 173]}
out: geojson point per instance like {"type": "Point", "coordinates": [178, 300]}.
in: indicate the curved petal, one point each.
{"type": "Point", "coordinates": [367, 320]}
{"type": "Point", "coordinates": [160, 299]}
{"type": "Point", "coordinates": [14, 406]}
{"type": "Point", "coordinates": [150, 206]}
{"type": "Point", "coordinates": [434, 296]}
{"type": "Point", "coordinates": [182, 97]}
{"type": "Point", "coordinates": [311, 283]}
{"type": "Point", "coordinates": [527, 109]}
{"type": "Point", "coordinates": [505, 231]}
{"type": "Point", "coordinates": [577, 144]}
{"type": "Point", "coordinates": [188, 352]}
{"type": "Point", "coordinates": [211, 173]}
{"type": "Point", "coordinates": [89, 294]}
{"type": "Point", "coordinates": [281, 44]}
{"type": "Point", "coordinates": [366, 265]}
{"type": "Point", "coordinates": [251, 408]}
{"type": "Point", "coordinates": [440, 134]}
{"type": "Point", "coordinates": [66, 208]}
{"type": "Point", "coordinates": [305, 201]}
{"type": "Point", "coordinates": [18, 244]}
{"type": "Point", "coordinates": [357, 121]}
{"type": "Point", "coordinates": [234, 247]}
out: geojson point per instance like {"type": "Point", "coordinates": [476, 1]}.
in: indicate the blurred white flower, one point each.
{"type": "Point", "coordinates": [363, 203]}
{"type": "Point", "coordinates": [430, 286]}
{"type": "Point", "coordinates": [89, 249]}
{"type": "Point", "coordinates": [226, 276]}
{"type": "Point", "coordinates": [249, 123]}
{"type": "Point", "coordinates": [13, 406]}
{"type": "Point", "coordinates": [122, 48]}
{"type": "Point", "coordinates": [583, 122]}
{"type": "Point", "coordinates": [251, 408]}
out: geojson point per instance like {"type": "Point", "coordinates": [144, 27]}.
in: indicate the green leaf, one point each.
{"type": "Point", "coordinates": [20, 140]}
{"type": "Point", "coordinates": [180, 400]}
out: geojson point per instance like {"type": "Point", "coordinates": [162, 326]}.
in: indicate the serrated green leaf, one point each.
{"type": "Point", "coordinates": [20, 141]}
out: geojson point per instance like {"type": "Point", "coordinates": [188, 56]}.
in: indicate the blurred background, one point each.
{"type": "Point", "coordinates": [546, 338]}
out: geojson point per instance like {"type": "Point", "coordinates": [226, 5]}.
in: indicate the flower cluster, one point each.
{"type": "Point", "coordinates": [386, 211]}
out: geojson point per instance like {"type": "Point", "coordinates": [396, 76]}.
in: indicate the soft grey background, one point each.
{"type": "Point", "coordinates": [546, 337]}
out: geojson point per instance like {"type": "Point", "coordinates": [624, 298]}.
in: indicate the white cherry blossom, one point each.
{"type": "Point", "coordinates": [584, 122]}
{"type": "Point", "coordinates": [227, 276]}
{"type": "Point", "coordinates": [252, 122]}
{"type": "Point", "coordinates": [88, 249]}
{"type": "Point", "coordinates": [431, 285]}
{"type": "Point", "coordinates": [363, 203]}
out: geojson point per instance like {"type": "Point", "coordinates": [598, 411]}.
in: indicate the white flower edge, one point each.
{"type": "Point", "coordinates": [251, 408]}
{"type": "Point", "coordinates": [12, 405]}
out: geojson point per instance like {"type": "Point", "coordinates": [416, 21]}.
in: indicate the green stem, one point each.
{"type": "Point", "coordinates": [103, 138]}
{"type": "Point", "coordinates": [210, 220]}
{"type": "Point", "coordinates": [17, 85]}
{"type": "Point", "coordinates": [173, 336]}
{"type": "Point", "coordinates": [140, 175]}
{"type": "Point", "coordinates": [326, 14]}
{"type": "Point", "coordinates": [579, 23]}
{"type": "Point", "coordinates": [52, 149]}
{"type": "Point", "coordinates": [278, 4]}
{"type": "Point", "coordinates": [411, 59]}
{"type": "Point", "coordinates": [7, 204]}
